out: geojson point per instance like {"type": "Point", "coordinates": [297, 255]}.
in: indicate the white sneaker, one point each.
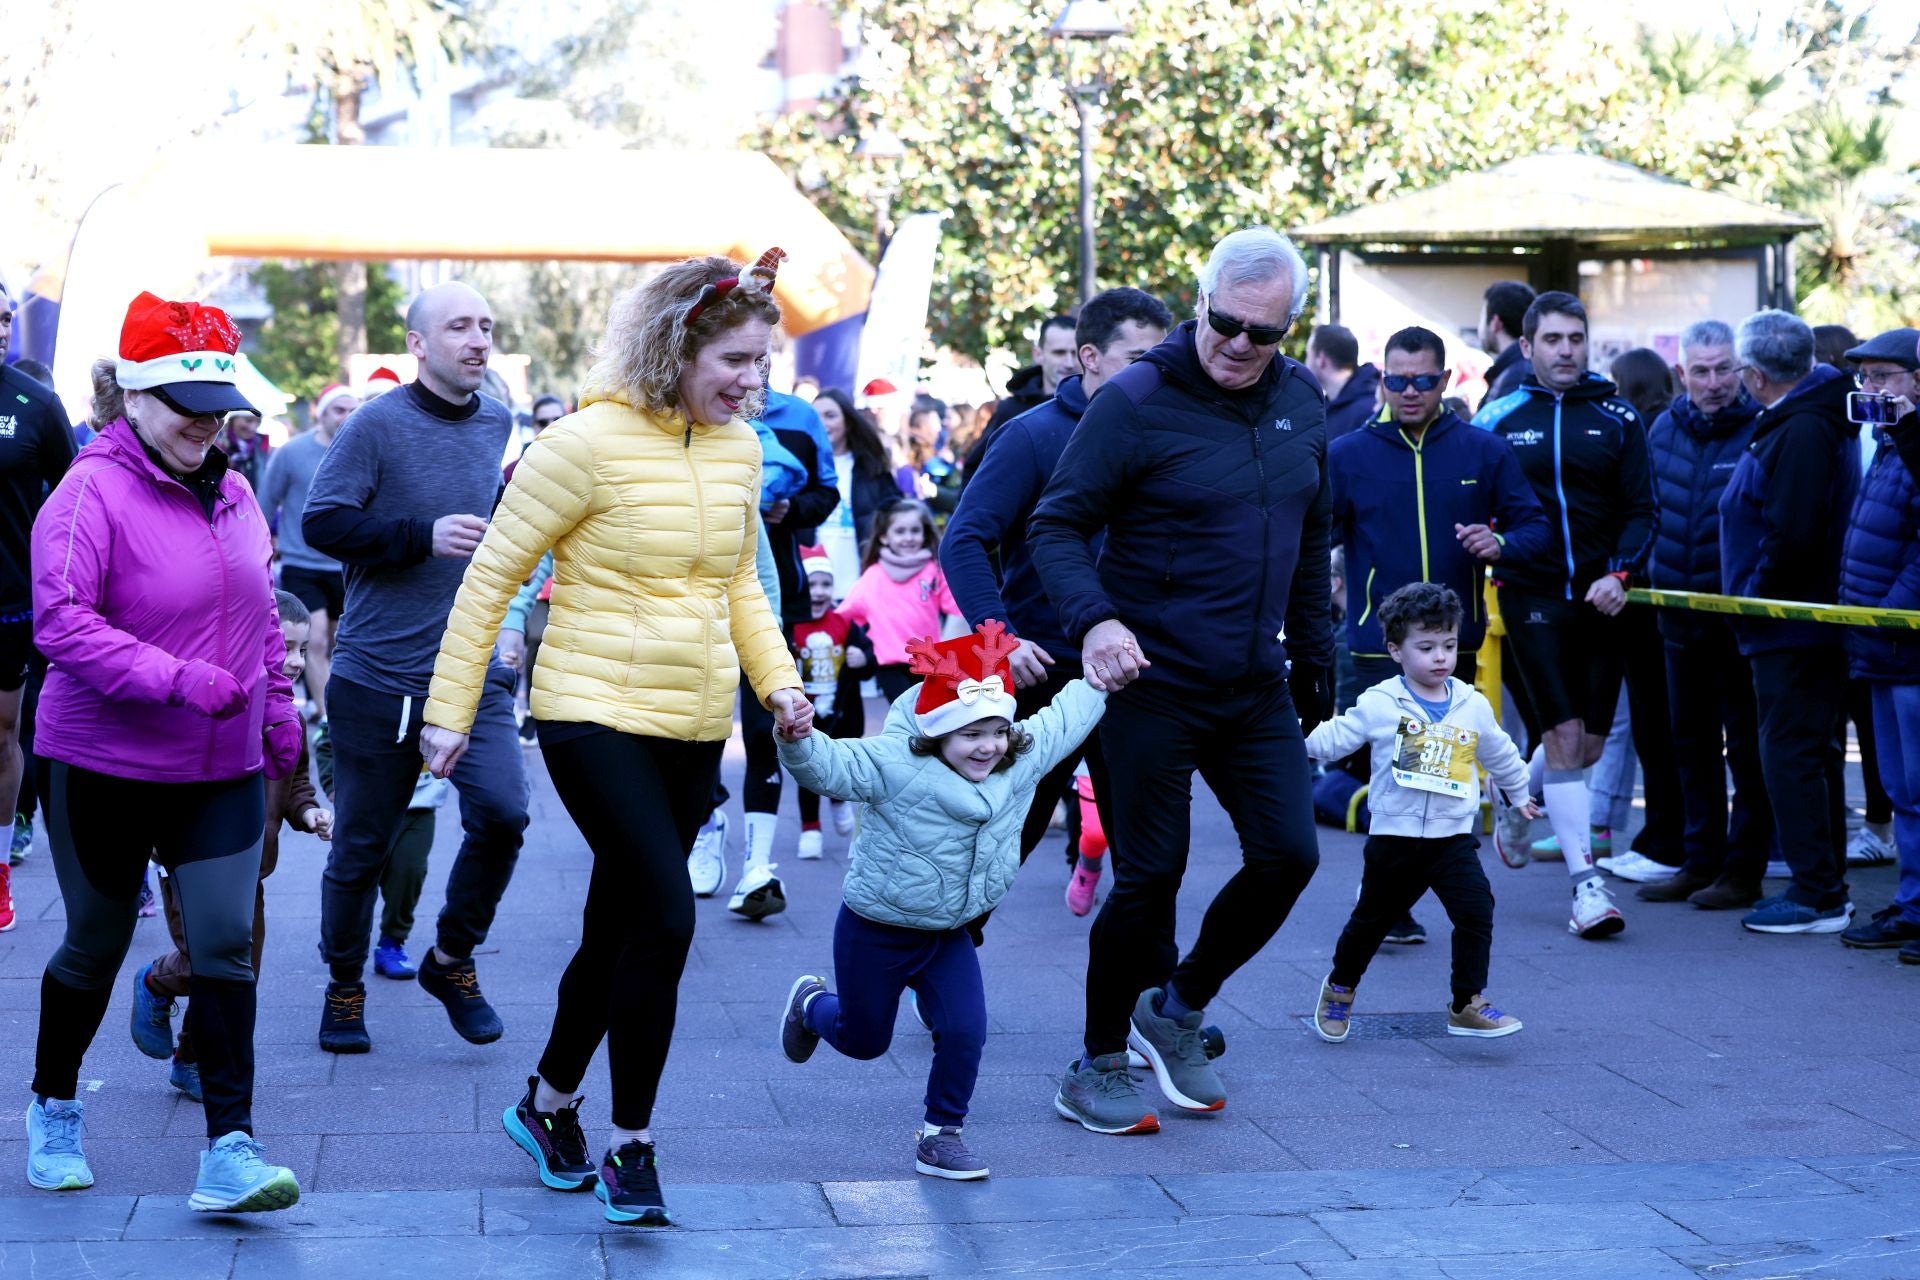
{"type": "Point", "coordinates": [1639, 868]}
{"type": "Point", "coordinates": [842, 817]}
{"type": "Point", "coordinates": [707, 864]}
{"type": "Point", "coordinates": [759, 893]}
{"type": "Point", "coordinates": [1594, 915]}
{"type": "Point", "coordinates": [809, 850]}
{"type": "Point", "coordinates": [1867, 849]}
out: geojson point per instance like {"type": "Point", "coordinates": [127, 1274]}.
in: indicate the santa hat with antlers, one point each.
{"type": "Point", "coordinates": [963, 680]}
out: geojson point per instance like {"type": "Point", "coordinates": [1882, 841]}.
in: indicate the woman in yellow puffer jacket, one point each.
{"type": "Point", "coordinates": [648, 497]}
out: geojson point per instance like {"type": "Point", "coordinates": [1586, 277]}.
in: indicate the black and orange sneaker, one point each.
{"type": "Point", "coordinates": [457, 986]}
{"type": "Point", "coordinates": [629, 1186]}
{"type": "Point", "coordinates": [343, 1019]}
{"type": "Point", "coordinates": [553, 1138]}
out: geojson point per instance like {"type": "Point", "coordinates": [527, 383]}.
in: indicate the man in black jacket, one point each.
{"type": "Point", "coordinates": [1205, 462]}
{"type": "Point", "coordinates": [1503, 310]}
{"type": "Point", "coordinates": [1352, 389]}
{"type": "Point", "coordinates": [1055, 356]}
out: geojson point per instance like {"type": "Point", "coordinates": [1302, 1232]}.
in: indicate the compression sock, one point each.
{"type": "Point", "coordinates": [1567, 804]}
{"type": "Point", "coordinates": [760, 827]}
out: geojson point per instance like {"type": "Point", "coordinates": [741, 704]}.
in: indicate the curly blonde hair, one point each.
{"type": "Point", "coordinates": [109, 401]}
{"type": "Point", "coordinates": [648, 342]}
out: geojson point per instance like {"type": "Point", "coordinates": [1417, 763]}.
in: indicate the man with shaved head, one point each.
{"type": "Point", "coordinates": [401, 500]}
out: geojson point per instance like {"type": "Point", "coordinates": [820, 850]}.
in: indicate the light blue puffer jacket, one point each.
{"type": "Point", "coordinates": [935, 850]}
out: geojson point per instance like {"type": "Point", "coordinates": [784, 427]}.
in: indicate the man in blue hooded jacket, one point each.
{"type": "Point", "coordinates": [1205, 463]}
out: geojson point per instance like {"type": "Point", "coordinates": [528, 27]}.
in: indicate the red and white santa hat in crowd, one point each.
{"type": "Point", "coordinates": [380, 380]}
{"type": "Point", "coordinates": [964, 680]}
{"type": "Point", "coordinates": [332, 392]}
{"type": "Point", "coordinates": [815, 560]}
{"type": "Point", "coordinates": [183, 352]}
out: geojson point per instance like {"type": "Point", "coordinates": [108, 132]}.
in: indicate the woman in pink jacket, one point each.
{"type": "Point", "coordinates": [163, 704]}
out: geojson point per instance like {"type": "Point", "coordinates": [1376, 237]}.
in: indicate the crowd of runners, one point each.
{"type": "Point", "coordinates": [1169, 551]}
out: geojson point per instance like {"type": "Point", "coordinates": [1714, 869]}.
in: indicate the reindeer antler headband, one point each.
{"type": "Point", "coordinates": [758, 278]}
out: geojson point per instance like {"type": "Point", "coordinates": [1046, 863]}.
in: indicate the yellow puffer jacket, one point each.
{"type": "Point", "coordinates": [655, 606]}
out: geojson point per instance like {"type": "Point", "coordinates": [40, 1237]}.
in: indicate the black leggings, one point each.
{"type": "Point", "coordinates": [638, 802]}
{"type": "Point", "coordinates": [760, 787]}
{"type": "Point", "coordinates": [208, 836]}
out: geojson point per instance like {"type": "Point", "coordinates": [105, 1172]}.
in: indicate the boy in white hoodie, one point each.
{"type": "Point", "coordinates": [1428, 732]}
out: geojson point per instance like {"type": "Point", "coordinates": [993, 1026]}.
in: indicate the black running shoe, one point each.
{"type": "Point", "coordinates": [797, 1040]}
{"type": "Point", "coordinates": [629, 1186]}
{"type": "Point", "coordinates": [1408, 933]}
{"type": "Point", "coordinates": [553, 1139]}
{"type": "Point", "coordinates": [343, 1019]}
{"type": "Point", "coordinates": [457, 986]}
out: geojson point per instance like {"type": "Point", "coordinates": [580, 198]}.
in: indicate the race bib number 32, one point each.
{"type": "Point", "coordinates": [1440, 758]}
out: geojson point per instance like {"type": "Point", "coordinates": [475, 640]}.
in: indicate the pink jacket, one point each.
{"type": "Point", "coordinates": [131, 582]}
{"type": "Point", "coordinates": [896, 612]}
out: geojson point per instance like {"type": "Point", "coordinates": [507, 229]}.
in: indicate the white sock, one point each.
{"type": "Point", "coordinates": [929, 1129]}
{"type": "Point", "coordinates": [549, 1099]}
{"type": "Point", "coordinates": [621, 1137]}
{"type": "Point", "coordinates": [1567, 811]}
{"type": "Point", "coordinates": [760, 827]}
{"type": "Point", "coordinates": [1537, 772]}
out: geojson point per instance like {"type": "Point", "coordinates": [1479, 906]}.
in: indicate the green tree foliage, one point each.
{"type": "Point", "coordinates": [296, 349]}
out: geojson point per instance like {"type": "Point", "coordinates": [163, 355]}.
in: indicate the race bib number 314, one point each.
{"type": "Point", "coordinates": [1440, 758]}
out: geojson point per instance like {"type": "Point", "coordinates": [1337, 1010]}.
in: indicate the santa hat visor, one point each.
{"type": "Point", "coordinates": [183, 350]}
{"type": "Point", "coordinates": [989, 698]}
{"type": "Point", "coordinates": [199, 397]}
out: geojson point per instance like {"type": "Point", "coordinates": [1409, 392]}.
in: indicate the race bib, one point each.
{"type": "Point", "coordinates": [1440, 758]}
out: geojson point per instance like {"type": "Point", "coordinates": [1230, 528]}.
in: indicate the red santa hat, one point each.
{"type": "Point", "coordinates": [964, 680]}
{"type": "Point", "coordinates": [815, 560]}
{"type": "Point", "coordinates": [381, 379]}
{"type": "Point", "coordinates": [184, 352]}
{"type": "Point", "coordinates": [879, 387]}
{"type": "Point", "coordinates": [333, 391]}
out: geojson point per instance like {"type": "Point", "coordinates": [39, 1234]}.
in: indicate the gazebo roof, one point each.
{"type": "Point", "coordinates": [1561, 195]}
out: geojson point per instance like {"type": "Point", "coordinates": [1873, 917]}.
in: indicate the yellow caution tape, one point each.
{"type": "Point", "coordinates": [1845, 615]}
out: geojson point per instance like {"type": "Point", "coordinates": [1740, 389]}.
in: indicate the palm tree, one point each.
{"type": "Point", "coordinates": [1859, 267]}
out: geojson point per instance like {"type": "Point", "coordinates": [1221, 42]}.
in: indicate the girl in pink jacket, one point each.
{"type": "Point", "coordinates": [164, 703]}
{"type": "Point", "coordinates": [902, 593]}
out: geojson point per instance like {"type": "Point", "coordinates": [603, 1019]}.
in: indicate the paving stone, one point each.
{"type": "Point", "coordinates": [1682, 1133]}
{"type": "Point", "coordinates": [353, 1215]}
{"type": "Point", "coordinates": [142, 1260]}
{"type": "Point", "coordinates": [1024, 1247]}
{"type": "Point", "coordinates": [1840, 1259]}
{"type": "Point", "coordinates": [1823, 1217]}
{"type": "Point", "coordinates": [930, 1200]}
{"type": "Point", "coordinates": [1703, 1180]}
{"type": "Point", "coordinates": [737, 1207]}
{"type": "Point", "coordinates": [1890, 1174]}
{"type": "Point", "coordinates": [1304, 1192]}
{"type": "Point", "coordinates": [1603, 1264]}
{"type": "Point", "coordinates": [839, 1253]}
{"type": "Point", "coordinates": [63, 1215]}
{"type": "Point", "coordinates": [522, 1257]}
{"type": "Point", "coordinates": [422, 1106]}
{"type": "Point", "coordinates": [1499, 1229]}
{"type": "Point", "coordinates": [1430, 1088]}
{"type": "Point", "coordinates": [1496, 1136]}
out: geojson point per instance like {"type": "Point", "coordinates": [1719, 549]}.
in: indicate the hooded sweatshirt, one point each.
{"type": "Point", "coordinates": [140, 579]}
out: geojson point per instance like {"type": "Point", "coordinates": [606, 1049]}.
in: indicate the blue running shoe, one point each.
{"type": "Point", "coordinates": [553, 1139]}
{"type": "Point", "coordinates": [390, 960]}
{"type": "Point", "coordinates": [236, 1178]}
{"type": "Point", "coordinates": [152, 1018]}
{"type": "Point", "coordinates": [1783, 915]}
{"type": "Point", "coordinates": [185, 1077]}
{"type": "Point", "coordinates": [629, 1186]}
{"type": "Point", "coordinates": [55, 1160]}
{"type": "Point", "coordinates": [22, 839]}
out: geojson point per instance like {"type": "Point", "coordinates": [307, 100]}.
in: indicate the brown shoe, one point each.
{"type": "Point", "coordinates": [1677, 887]}
{"type": "Point", "coordinates": [1727, 892]}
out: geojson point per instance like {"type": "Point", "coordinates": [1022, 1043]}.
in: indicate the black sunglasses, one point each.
{"type": "Point", "coordinates": [1397, 382]}
{"type": "Point", "coordinates": [1261, 335]}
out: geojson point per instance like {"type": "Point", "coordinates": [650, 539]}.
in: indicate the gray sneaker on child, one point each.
{"type": "Point", "coordinates": [1177, 1052]}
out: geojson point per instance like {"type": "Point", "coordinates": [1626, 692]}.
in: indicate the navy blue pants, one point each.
{"type": "Point", "coordinates": [875, 963]}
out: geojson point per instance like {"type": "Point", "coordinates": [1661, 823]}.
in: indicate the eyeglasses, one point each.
{"type": "Point", "coordinates": [1876, 379]}
{"type": "Point", "coordinates": [1398, 382]}
{"type": "Point", "coordinates": [1260, 335]}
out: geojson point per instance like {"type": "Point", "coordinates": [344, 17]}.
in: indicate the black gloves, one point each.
{"type": "Point", "coordinates": [1312, 694]}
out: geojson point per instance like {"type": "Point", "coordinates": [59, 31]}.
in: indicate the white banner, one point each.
{"type": "Point", "coordinates": [896, 329]}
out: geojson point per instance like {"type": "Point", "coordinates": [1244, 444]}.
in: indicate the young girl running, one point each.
{"type": "Point", "coordinates": [902, 592]}
{"type": "Point", "coordinates": [945, 789]}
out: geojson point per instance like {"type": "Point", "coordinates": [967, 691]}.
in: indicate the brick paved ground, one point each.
{"type": "Point", "coordinates": [1686, 1099]}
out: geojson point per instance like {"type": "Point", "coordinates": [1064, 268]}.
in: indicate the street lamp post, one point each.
{"type": "Point", "coordinates": [1087, 25]}
{"type": "Point", "coordinates": [883, 150]}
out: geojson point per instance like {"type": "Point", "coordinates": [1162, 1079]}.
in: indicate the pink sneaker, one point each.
{"type": "Point", "coordinates": [1086, 875]}
{"type": "Point", "coordinates": [149, 901]}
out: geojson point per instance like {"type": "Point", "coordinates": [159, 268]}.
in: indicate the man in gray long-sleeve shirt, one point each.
{"type": "Point", "coordinates": [311, 576]}
{"type": "Point", "coordinates": [400, 499]}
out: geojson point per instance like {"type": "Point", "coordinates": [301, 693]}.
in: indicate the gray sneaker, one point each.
{"type": "Point", "coordinates": [1099, 1094]}
{"type": "Point", "coordinates": [1177, 1052]}
{"type": "Point", "coordinates": [944, 1155]}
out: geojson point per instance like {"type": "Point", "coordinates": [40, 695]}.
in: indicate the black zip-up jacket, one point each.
{"type": "Point", "coordinates": [1218, 519]}
{"type": "Point", "coordinates": [1692, 456]}
{"type": "Point", "coordinates": [1585, 453]}
{"type": "Point", "coordinates": [1026, 390]}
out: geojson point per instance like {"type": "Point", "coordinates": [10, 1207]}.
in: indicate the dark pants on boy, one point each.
{"type": "Point", "coordinates": [1710, 696]}
{"type": "Point", "coordinates": [874, 963]}
{"type": "Point", "coordinates": [1398, 870]}
{"type": "Point", "coordinates": [377, 746]}
{"type": "Point", "coordinates": [1800, 696]}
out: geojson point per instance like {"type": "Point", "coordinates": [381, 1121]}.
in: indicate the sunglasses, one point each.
{"type": "Point", "coordinates": [1398, 382]}
{"type": "Point", "coordinates": [541, 424]}
{"type": "Point", "coordinates": [1260, 335]}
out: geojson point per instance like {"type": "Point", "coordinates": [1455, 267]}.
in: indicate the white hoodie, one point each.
{"type": "Point", "coordinates": [1407, 811]}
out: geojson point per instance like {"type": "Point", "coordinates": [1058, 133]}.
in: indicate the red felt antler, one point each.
{"type": "Point", "coordinates": [925, 658]}
{"type": "Point", "coordinates": [994, 645]}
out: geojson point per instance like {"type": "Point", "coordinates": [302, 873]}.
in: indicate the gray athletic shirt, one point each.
{"type": "Point", "coordinates": [283, 496]}
{"type": "Point", "coordinates": [395, 461]}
